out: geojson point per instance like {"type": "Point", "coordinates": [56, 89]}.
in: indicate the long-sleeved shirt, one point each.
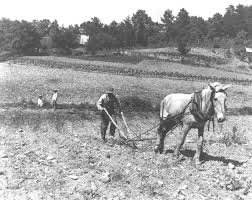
{"type": "Point", "coordinates": [55, 97]}
{"type": "Point", "coordinates": [40, 102]}
{"type": "Point", "coordinates": [110, 102]}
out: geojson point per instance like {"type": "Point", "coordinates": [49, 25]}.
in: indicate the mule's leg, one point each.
{"type": "Point", "coordinates": [161, 136]}
{"type": "Point", "coordinates": [199, 145]}
{"type": "Point", "coordinates": [185, 130]}
{"type": "Point", "coordinates": [163, 128]}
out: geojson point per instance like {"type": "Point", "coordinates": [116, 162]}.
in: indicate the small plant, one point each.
{"type": "Point", "coordinates": [233, 137]}
{"type": "Point", "coordinates": [228, 53]}
{"type": "Point", "coordinates": [229, 182]}
{"type": "Point", "coordinates": [117, 175]}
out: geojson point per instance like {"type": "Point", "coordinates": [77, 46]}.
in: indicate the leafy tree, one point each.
{"type": "Point", "coordinates": [54, 34]}
{"type": "Point", "coordinates": [20, 37]}
{"type": "Point", "coordinates": [241, 38]}
{"type": "Point", "coordinates": [92, 27]}
{"type": "Point", "coordinates": [249, 22]}
{"type": "Point", "coordinates": [142, 26]}
{"type": "Point", "coordinates": [157, 37]}
{"type": "Point", "coordinates": [168, 24]}
{"type": "Point", "coordinates": [6, 26]}
{"type": "Point", "coordinates": [230, 21]}
{"type": "Point", "coordinates": [215, 28]}
{"type": "Point", "coordinates": [198, 29]}
{"type": "Point", "coordinates": [100, 41]}
{"type": "Point", "coordinates": [182, 25]}
{"type": "Point", "coordinates": [93, 44]}
{"type": "Point", "coordinates": [114, 35]}
{"type": "Point", "coordinates": [242, 16]}
{"type": "Point", "coordinates": [182, 19]}
{"type": "Point", "coordinates": [76, 29]}
{"type": "Point", "coordinates": [68, 38]}
{"type": "Point", "coordinates": [128, 32]}
{"type": "Point", "coordinates": [42, 27]}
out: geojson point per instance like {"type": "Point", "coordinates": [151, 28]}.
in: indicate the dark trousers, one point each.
{"type": "Point", "coordinates": [54, 103]}
{"type": "Point", "coordinates": [105, 121]}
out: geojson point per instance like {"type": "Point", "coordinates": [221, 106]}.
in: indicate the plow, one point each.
{"type": "Point", "coordinates": [124, 136]}
{"type": "Point", "coordinates": [137, 137]}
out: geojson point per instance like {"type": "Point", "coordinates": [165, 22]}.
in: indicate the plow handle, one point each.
{"type": "Point", "coordinates": [111, 119]}
{"type": "Point", "coordinates": [125, 123]}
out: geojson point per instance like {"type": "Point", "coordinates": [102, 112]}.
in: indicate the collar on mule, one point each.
{"type": "Point", "coordinates": [196, 106]}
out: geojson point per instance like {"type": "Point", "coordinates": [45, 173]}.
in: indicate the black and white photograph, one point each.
{"type": "Point", "coordinates": [126, 100]}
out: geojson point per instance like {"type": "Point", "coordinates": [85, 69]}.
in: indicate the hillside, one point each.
{"type": "Point", "coordinates": [59, 155]}
{"type": "Point", "coordinates": [149, 68]}
{"type": "Point", "coordinates": [221, 59]}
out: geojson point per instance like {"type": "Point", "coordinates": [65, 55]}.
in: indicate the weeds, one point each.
{"type": "Point", "coordinates": [117, 175]}
{"type": "Point", "coordinates": [233, 137]}
{"type": "Point", "coordinates": [137, 104]}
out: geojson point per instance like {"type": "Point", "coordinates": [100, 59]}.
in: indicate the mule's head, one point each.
{"type": "Point", "coordinates": [219, 97]}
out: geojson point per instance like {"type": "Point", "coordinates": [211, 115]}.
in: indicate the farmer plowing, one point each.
{"type": "Point", "coordinates": [107, 105]}
{"type": "Point", "coordinates": [189, 110]}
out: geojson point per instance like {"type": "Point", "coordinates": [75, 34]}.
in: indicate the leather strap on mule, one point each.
{"type": "Point", "coordinates": [196, 105]}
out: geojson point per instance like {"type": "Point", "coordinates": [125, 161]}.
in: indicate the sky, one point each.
{"type": "Point", "coordinates": [78, 11]}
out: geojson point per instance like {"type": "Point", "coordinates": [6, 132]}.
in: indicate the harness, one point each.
{"type": "Point", "coordinates": [196, 104]}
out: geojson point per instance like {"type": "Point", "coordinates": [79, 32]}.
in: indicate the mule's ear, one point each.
{"type": "Point", "coordinates": [226, 87]}
{"type": "Point", "coordinates": [211, 87]}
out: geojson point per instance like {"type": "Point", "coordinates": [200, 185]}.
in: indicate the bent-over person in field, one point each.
{"type": "Point", "coordinates": [54, 99]}
{"type": "Point", "coordinates": [40, 101]}
{"type": "Point", "coordinates": [110, 103]}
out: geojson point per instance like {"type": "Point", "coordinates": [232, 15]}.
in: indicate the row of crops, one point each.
{"type": "Point", "coordinates": [126, 71]}
{"type": "Point", "coordinates": [190, 59]}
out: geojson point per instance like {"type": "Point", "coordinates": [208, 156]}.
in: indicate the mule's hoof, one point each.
{"type": "Point", "coordinates": [181, 158]}
{"type": "Point", "coordinates": [176, 154]}
{"type": "Point", "coordinates": [156, 149]}
{"type": "Point", "coordinates": [197, 161]}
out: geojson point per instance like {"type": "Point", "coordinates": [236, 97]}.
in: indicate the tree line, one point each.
{"type": "Point", "coordinates": [139, 30]}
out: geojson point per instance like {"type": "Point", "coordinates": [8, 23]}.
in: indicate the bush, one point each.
{"type": "Point", "coordinates": [183, 48]}
{"type": "Point", "coordinates": [137, 104]}
{"type": "Point", "coordinates": [233, 137]}
{"type": "Point", "coordinates": [216, 46]}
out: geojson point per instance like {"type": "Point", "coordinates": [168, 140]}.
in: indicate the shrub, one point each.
{"type": "Point", "coordinates": [183, 48]}
{"type": "Point", "coordinates": [216, 46]}
{"type": "Point", "coordinates": [233, 137]}
{"type": "Point", "coordinates": [137, 104]}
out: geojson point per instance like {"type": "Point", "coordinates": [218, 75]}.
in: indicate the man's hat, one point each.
{"type": "Point", "coordinates": [55, 90]}
{"type": "Point", "coordinates": [110, 90]}
{"type": "Point", "coordinates": [40, 95]}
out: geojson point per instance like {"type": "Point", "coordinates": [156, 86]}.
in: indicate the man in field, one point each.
{"type": "Point", "coordinates": [40, 101]}
{"type": "Point", "coordinates": [54, 99]}
{"type": "Point", "coordinates": [109, 102]}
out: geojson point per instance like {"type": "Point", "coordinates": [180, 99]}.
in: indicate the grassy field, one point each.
{"type": "Point", "coordinates": [59, 155]}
